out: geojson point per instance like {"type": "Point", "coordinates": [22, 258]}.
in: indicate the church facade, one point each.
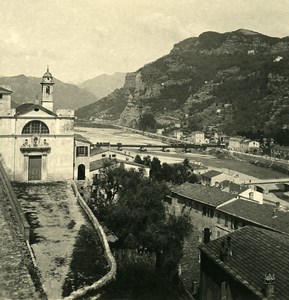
{"type": "Point", "coordinates": [36, 143]}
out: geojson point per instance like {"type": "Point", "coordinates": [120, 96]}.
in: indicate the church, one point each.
{"type": "Point", "coordinates": [38, 144]}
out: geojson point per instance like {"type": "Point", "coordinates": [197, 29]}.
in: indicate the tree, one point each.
{"type": "Point", "coordinates": [138, 159]}
{"type": "Point", "coordinates": [147, 121]}
{"type": "Point", "coordinates": [138, 217]}
{"type": "Point", "coordinates": [156, 169]}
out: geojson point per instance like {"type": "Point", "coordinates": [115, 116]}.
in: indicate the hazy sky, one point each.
{"type": "Point", "coordinates": [80, 39]}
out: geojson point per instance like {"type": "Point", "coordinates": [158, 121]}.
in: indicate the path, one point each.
{"type": "Point", "coordinates": [57, 222]}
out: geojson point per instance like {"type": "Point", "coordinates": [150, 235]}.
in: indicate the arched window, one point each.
{"type": "Point", "coordinates": [35, 127]}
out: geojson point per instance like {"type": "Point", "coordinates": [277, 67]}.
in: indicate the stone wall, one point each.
{"type": "Point", "coordinates": [111, 261]}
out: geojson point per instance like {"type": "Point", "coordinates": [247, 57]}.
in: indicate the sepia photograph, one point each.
{"type": "Point", "coordinates": [144, 150]}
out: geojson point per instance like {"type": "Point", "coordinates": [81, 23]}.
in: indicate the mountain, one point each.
{"type": "Point", "coordinates": [104, 84]}
{"type": "Point", "coordinates": [66, 95]}
{"type": "Point", "coordinates": [229, 82]}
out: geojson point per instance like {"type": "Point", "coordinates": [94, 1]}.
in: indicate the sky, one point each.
{"type": "Point", "coordinates": [81, 39]}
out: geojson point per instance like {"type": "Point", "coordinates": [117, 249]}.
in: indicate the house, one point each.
{"type": "Point", "coordinates": [36, 142]}
{"type": "Point", "coordinates": [198, 137]}
{"type": "Point", "coordinates": [201, 202]}
{"type": "Point", "coordinates": [248, 146]}
{"type": "Point", "coordinates": [242, 212]}
{"type": "Point", "coordinates": [97, 165]}
{"type": "Point", "coordinates": [178, 134]}
{"type": "Point", "coordinates": [82, 157]}
{"type": "Point", "coordinates": [250, 263]}
{"type": "Point", "coordinates": [98, 153]}
{"type": "Point", "coordinates": [215, 178]}
{"type": "Point", "coordinates": [234, 143]}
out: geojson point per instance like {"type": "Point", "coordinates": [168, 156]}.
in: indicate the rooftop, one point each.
{"type": "Point", "coordinates": [256, 252]}
{"type": "Point", "coordinates": [27, 107]}
{"type": "Point", "coordinates": [211, 174]}
{"type": "Point", "coordinates": [260, 214]}
{"type": "Point", "coordinates": [208, 195]}
{"type": "Point", "coordinates": [80, 138]}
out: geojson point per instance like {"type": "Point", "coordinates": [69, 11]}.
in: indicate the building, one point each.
{"type": "Point", "coordinates": [235, 143]}
{"type": "Point", "coordinates": [178, 134]}
{"type": "Point", "coordinates": [198, 137]}
{"type": "Point", "coordinates": [97, 165]}
{"type": "Point", "coordinates": [248, 146]}
{"type": "Point", "coordinates": [201, 202]}
{"type": "Point", "coordinates": [82, 157]}
{"type": "Point", "coordinates": [250, 263]}
{"type": "Point", "coordinates": [36, 143]}
{"type": "Point", "coordinates": [215, 178]}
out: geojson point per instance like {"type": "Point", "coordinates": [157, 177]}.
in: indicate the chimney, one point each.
{"type": "Point", "coordinates": [269, 281]}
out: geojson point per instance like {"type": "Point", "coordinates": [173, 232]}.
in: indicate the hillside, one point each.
{"type": "Point", "coordinates": [232, 82]}
{"type": "Point", "coordinates": [66, 95]}
{"type": "Point", "coordinates": [102, 85]}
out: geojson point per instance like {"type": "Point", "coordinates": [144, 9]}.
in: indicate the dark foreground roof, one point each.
{"type": "Point", "coordinates": [204, 194]}
{"type": "Point", "coordinates": [80, 138]}
{"type": "Point", "coordinates": [256, 252]}
{"type": "Point", "coordinates": [262, 214]}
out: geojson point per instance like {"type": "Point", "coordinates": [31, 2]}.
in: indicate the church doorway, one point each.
{"type": "Point", "coordinates": [81, 172]}
{"type": "Point", "coordinates": [34, 167]}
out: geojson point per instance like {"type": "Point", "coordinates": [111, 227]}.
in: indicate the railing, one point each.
{"type": "Point", "coordinates": [111, 261]}
{"type": "Point", "coordinates": [16, 208]}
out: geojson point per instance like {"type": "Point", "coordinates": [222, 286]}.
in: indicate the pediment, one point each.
{"type": "Point", "coordinates": [34, 110]}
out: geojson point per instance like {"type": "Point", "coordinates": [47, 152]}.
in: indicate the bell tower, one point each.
{"type": "Point", "coordinates": [47, 90]}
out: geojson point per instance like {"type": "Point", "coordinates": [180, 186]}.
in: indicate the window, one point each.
{"type": "Point", "coordinates": [81, 151]}
{"type": "Point", "coordinates": [212, 212]}
{"type": "Point", "coordinates": [204, 210]}
{"type": "Point", "coordinates": [35, 127]}
{"type": "Point", "coordinates": [103, 155]}
{"type": "Point", "coordinates": [226, 220]}
{"type": "Point", "coordinates": [1, 96]}
{"type": "Point", "coordinates": [218, 218]}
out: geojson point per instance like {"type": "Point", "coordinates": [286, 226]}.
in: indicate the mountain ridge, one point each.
{"type": "Point", "coordinates": [218, 80]}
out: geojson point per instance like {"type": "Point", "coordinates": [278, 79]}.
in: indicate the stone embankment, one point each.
{"type": "Point", "coordinates": [15, 261]}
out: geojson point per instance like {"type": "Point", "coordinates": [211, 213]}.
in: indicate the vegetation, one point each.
{"type": "Point", "coordinates": [175, 174]}
{"type": "Point", "coordinates": [132, 207]}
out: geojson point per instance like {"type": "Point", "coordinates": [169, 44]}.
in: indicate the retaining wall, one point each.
{"type": "Point", "coordinates": [111, 261]}
{"type": "Point", "coordinates": [16, 208]}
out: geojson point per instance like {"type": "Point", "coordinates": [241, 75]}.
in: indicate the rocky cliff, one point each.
{"type": "Point", "coordinates": [233, 82]}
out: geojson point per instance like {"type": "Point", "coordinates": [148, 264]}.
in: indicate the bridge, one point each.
{"type": "Point", "coordinates": [268, 181]}
{"type": "Point", "coordinates": [119, 146]}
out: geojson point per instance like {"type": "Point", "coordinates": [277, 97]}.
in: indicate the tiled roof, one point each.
{"type": "Point", "coordinates": [261, 214]}
{"type": "Point", "coordinates": [4, 90]}
{"type": "Point", "coordinates": [209, 195]}
{"type": "Point", "coordinates": [233, 187]}
{"type": "Point", "coordinates": [256, 252]}
{"type": "Point", "coordinates": [211, 174]}
{"type": "Point", "coordinates": [81, 138]}
{"type": "Point", "coordinates": [98, 164]}
{"type": "Point", "coordinates": [27, 107]}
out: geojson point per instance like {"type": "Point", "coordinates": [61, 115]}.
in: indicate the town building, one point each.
{"type": "Point", "coordinates": [178, 134]}
{"type": "Point", "coordinates": [215, 178]}
{"type": "Point", "coordinates": [249, 146]}
{"type": "Point", "coordinates": [201, 202]}
{"type": "Point", "coordinates": [36, 142]}
{"type": "Point", "coordinates": [198, 137]}
{"type": "Point", "coordinates": [250, 263]}
{"type": "Point", "coordinates": [82, 157]}
{"type": "Point", "coordinates": [234, 143]}
{"type": "Point", "coordinates": [223, 212]}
